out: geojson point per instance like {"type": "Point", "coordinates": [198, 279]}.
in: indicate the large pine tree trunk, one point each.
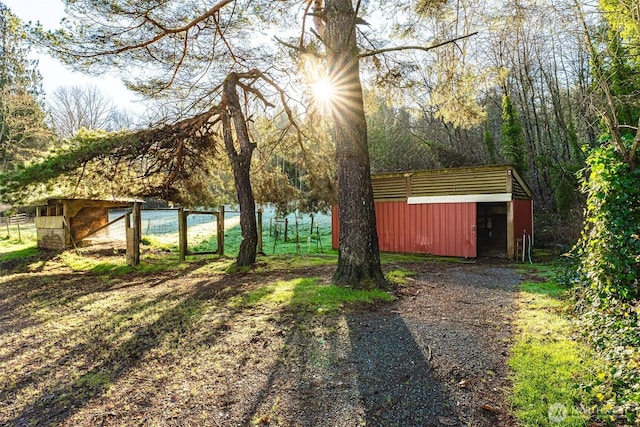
{"type": "Point", "coordinates": [358, 259]}
{"type": "Point", "coordinates": [248, 227]}
{"type": "Point", "coordinates": [241, 164]}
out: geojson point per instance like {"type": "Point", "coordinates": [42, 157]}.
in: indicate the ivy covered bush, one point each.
{"type": "Point", "coordinates": [610, 245]}
{"type": "Point", "coordinates": [608, 282]}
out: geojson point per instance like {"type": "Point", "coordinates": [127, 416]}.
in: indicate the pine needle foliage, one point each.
{"type": "Point", "coordinates": [172, 162]}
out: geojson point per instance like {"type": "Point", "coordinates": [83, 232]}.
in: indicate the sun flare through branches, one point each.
{"type": "Point", "coordinates": [322, 90]}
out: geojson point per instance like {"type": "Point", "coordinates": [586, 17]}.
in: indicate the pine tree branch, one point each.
{"type": "Point", "coordinates": [164, 33]}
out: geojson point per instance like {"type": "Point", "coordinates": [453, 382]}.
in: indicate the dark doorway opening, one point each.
{"type": "Point", "coordinates": [491, 223]}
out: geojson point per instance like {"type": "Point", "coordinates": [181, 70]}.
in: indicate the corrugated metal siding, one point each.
{"type": "Point", "coordinates": [522, 218]}
{"type": "Point", "coordinates": [438, 229]}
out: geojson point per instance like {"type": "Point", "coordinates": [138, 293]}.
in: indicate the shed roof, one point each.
{"type": "Point", "coordinates": [110, 204]}
{"type": "Point", "coordinates": [484, 183]}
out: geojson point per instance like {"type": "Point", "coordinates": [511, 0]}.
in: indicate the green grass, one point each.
{"type": "Point", "coordinates": [548, 365]}
{"type": "Point", "coordinates": [306, 294]}
{"type": "Point", "coordinates": [14, 246]}
{"type": "Point", "coordinates": [390, 258]}
{"type": "Point", "coordinates": [157, 243]}
{"type": "Point", "coordinates": [304, 242]}
{"type": "Point", "coordinates": [117, 265]}
{"type": "Point", "coordinates": [546, 271]}
{"type": "Point", "coordinates": [18, 252]}
{"type": "Point", "coordinates": [286, 262]}
{"type": "Point", "coordinates": [399, 276]}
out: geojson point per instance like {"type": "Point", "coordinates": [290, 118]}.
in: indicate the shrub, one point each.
{"type": "Point", "coordinates": [607, 280]}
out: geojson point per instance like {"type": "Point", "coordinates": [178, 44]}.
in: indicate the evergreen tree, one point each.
{"type": "Point", "coordinates": [489, 143]}
{"type": "Point", "coordinates": [512, 137]}
{"type": "Point", "coordinates": [23, 133]}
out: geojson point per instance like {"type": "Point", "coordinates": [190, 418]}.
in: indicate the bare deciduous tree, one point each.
{"type": "Point", "coordinates": [75, 107]}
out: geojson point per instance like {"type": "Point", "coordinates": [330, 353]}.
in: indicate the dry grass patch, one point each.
{"type": "Point", "coordinates": [186, 346]}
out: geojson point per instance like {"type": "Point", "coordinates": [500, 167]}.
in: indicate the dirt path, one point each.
{"type": "Point", "coordinates": [76, 351]}
{"type": "Point", "coordinates": [437, 357]}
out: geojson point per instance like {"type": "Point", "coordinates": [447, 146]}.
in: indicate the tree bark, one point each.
{"type": "Point", "coordinates": [241, 165]}
{"type": "Point", "coordinates": [358, 258]}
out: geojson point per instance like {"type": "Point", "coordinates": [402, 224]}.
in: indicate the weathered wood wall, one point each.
{"type": "Point", "coordinates": [51, 233]}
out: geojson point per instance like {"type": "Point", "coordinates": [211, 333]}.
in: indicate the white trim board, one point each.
{"type": "Point", "coordinates": [463, 198]}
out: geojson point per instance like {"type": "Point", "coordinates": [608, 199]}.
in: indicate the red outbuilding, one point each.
{"type": "Point", "coordinates": [461, 212]}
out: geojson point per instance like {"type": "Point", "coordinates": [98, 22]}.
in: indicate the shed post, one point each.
{"type": "Point", "coordinates": [220, 236]}
{"type": "Point", "coordinates": [407, 183]}
{"type": "Point", "coordinates": [68, 239]}
{"type": "Point", "coordinates": [128, 233]}
{"type": "Point", "coordinates": [511, 238]}
{"type": "Point", "coordinates": [182, 234]}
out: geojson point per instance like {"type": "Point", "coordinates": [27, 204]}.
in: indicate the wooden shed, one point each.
{"type": "Point", "coordinates": [63, 223]}
{"type": "Point", "coordinates": [463, 212]}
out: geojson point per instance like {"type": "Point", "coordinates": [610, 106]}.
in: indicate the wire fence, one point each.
{"type": "Point", "coordinates": [13, 225]}
{"type": "Point", "coordinates": [294, 233]}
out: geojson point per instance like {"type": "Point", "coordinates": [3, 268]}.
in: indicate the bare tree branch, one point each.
{"type": "Point", "coordinates": [304, 24]}
{"type": "Point", "coordinates": [300, 49]}
{"type": "Point", "coordinates": [634, 146]}
{"type": "Point", "coordinates": [423, 48]}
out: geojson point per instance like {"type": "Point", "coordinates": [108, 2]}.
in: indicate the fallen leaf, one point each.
{"type": "Point", "coordinates": [463, 383]}
{"type": "Point", "coordinates": [447, 421]}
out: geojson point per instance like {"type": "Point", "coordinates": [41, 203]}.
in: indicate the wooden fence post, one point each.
{"type": "Point", "coordinates": [18, 224]}
{"type": "Point", "coordinates": [133, 231]}
{"type": "Point", "coordinates": [220, 234]}
{"type": "Point", "coordinates": [137, 233]}
{"type": "Point", "coordinates": [260, 251]}
{"type": "Point", "coordinates": [297, 237]}
{"type": "Point", "coordinates": [182, 234]}
{"type": "Point", "coordinates": [286, 229]}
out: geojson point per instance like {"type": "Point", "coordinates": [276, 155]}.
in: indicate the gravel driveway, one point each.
{"type": "Point", "coordinates": [436, 357]}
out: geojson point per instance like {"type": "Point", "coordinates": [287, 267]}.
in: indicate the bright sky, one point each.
{"type": "Point", "coordinates": [54, 74]}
